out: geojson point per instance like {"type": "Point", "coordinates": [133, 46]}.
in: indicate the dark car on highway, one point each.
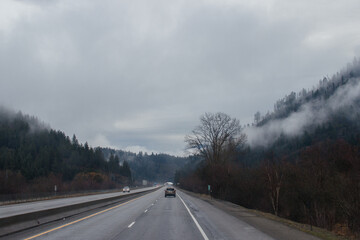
{"type": "Point", "coordinates": [170, 191]}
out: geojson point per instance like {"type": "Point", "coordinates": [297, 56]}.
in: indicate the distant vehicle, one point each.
{"type": "Point", "coordinates": [170, 191]}
{"type": "Point", "coordinates": [126, 189]}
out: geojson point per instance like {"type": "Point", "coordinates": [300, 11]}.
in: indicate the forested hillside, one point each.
{"type": "Point", "coordinates": [301, 161]}
{"type": "Point", "coordinates": [34, 158]}
{"type": "Point", "coordinates": [150, 167]}
{"type": "Point", "coordinates": [329, 109]}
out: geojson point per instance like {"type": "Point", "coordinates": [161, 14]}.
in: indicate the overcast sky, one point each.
{"type": "Point", "coordinates": [137, 75]}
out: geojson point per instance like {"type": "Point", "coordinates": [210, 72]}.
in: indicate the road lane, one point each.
{"type": "Point", "coordinates": [79, 220]}
{"type": "Point", "coordinates": [195, 221]}
{"type": "Point", "coordinates": [105, 225]}
{"type": "Point", "coordinates": [225, 220]}
{"type": "Point", "coordinates": [166, 219]}
{"type": "Point", "coordinates": [218, 224]}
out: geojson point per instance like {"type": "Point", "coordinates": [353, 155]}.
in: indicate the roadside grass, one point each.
{"type": "Point", "coordinates": [316, 231]}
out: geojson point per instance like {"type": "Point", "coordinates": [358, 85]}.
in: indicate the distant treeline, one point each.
{"type": "Point", "coordinates": [34, 158]}
{"type": "Point", "coordinates": [151, 167]}
{"type": "Point", "coordinates": [312, 176]}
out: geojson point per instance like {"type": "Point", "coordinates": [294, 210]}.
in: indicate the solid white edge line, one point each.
{"type": "Point", "coordinates": [196, 222]}
{"type": "Point", "coordinates": [131, 224]}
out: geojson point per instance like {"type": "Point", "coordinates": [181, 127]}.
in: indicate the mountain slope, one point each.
{"type": "Point", "coordinates": [331, 110]}
{"type": "Point", "coordinates": [36, 158]}
{"type": "Point", "coordinates": [301, 162]}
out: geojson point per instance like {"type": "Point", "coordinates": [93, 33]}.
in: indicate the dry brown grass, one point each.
{"type": "Point", "coordinates": [316, 231]}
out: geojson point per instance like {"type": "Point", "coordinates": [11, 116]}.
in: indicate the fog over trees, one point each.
{"type": "Point", "coordinates": [154, 167]}
{"type": "Point", "coordinates": [301, 161]}
{"type": "Point", "coordinates": [301, 111]}
{"type": "Point", "coordinates": [34, 158]}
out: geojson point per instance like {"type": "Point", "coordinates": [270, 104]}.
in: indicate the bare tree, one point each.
{"type": "Point", "coordinates": [274, 176]}
{"type": "Point", "coordinates": [216, 138]}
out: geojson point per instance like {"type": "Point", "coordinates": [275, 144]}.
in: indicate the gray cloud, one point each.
{"type": "Point", "coordinates": [138, 74]}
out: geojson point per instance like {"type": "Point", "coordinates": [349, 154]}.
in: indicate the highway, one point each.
{"type": "Point", "coordinates": [16, 209]}
{"type": "Point", "coordinates": [151, 216]}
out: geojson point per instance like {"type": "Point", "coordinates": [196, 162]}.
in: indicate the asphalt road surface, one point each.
{"type": "Point", "coordinates": [151, 216]}
{"type": "Point", "coordinates": [16, 209]}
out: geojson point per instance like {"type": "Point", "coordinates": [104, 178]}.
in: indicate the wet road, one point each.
{"type": "Point", "coordinates": [28, 207]}
{"type": "Point", "coordinates": [151, 216]}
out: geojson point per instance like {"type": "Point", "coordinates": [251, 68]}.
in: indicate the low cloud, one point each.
{"type": "Point", "coordinates": [140, 73]}
{"type": "Point", "coordinates": [312, 113]}
{"type": "Point", "coordinates": [34, 123]}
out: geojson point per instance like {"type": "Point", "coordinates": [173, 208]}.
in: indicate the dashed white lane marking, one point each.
{"type": "Point", "coordinates": [195, 221]}
{"type": "Point", "coordinates": [82, 219]}
{"type": "Point", "coordinates": [152, 204]}
{"type": "Point", "coordinates": [146, 210]}
{"type": "Point", "coordinates": [131, 224]}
